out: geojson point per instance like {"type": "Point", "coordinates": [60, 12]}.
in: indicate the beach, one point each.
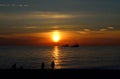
{"type": "Point", "coordinates": [59, 73]}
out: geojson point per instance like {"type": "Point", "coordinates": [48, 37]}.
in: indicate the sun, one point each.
{"type": "Point", "coordinates": [56, 36]}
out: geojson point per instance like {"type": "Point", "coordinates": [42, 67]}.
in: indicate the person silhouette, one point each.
{"type": "Point", "coordinates": [53, 65]}
{"type": "Point", "coordinates": [14, 66]}
{"type": "Point", "coordinates": [42, 65]}
{"type": "Point", "coordinates": [21, 67]}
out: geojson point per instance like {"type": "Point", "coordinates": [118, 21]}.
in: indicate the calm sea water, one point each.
{"type": "Point", "coordinates": [64, 57]}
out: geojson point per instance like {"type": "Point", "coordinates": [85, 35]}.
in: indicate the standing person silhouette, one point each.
{"type": "Point", "coordinates": [14, 66]}
{"type": "Point", "coordinates": [42, 65]}
{"type": "Point", "coordinates": [53, 65]}
{"type": "Point", "coordinates": [21, 67]}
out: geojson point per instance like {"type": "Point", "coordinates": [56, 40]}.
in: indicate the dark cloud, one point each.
{"type": "Point", "coordinates": [65, 5]}
{"type": "Point", "coordinates": [66, 14]}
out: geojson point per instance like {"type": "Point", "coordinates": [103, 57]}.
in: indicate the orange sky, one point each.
{"type": "Point", "coordinates": [84, 37]}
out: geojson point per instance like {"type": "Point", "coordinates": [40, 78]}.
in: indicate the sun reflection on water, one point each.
{"type": "Point", "coordinates": [56, 56]}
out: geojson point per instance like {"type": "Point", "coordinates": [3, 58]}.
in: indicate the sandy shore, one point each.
{"type": "Point", "coordinates": [59, 74]}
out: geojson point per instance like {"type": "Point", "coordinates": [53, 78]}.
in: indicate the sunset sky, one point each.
{"type": "Point", "coordinates": [58, 22]}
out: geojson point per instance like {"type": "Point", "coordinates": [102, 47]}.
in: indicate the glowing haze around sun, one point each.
{"type": "Point", "coordinates": [56, 36]}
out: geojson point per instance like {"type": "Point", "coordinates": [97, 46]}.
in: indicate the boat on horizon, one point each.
{"type": "Point", "coordinates": [66, 45]}
{"type": "Point", "coordinates": [75, 45]}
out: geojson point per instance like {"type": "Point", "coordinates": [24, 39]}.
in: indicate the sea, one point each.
{"type": "Point", "coordinates": [82, 57]}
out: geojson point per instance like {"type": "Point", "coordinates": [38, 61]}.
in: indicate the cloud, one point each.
{"type": "Point", "coordinates": [107, 29]}
{"type": "Point", "coordinates": [103, 29]}
{"type": "Point", "coordinates": [111, 28]}
{"type": "Point", "coordinates": [44, 15]}
{"type": "Point", "coordinates": [41, 15]}
{"type": "Point", "coordinates": [14, 5]}
{"type": "Point", "coordinates": [87, 30]}
{"type": "Point", "coordinates": [53, 17]}
{"type": "Point", "coordinates": [30, 27]}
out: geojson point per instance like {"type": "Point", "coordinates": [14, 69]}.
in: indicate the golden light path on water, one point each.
{"type": "Point", "coordinates": [56, 56]}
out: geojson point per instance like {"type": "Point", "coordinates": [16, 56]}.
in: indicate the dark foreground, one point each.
{"type": "Point", "coordinates": [59, 74]}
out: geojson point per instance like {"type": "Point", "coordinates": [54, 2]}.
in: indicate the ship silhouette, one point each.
{"type": "Point", "coordinates": [75, 45]}
{"type": "Point", "coordinates": [66, 45]}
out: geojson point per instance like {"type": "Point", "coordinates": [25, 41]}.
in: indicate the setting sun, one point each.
{"type": "Point", "coordinates": [56, 36]}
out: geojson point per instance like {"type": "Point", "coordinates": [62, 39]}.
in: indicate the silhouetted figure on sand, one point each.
{"type": "Point", "coordinates": [21, 67]}
{"type": "Point", "coordinates": [14, 66]}
{"type": "Point", "coordinates": [42, 65]}
{"type": "Point", "coordinates": [53, 65]}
